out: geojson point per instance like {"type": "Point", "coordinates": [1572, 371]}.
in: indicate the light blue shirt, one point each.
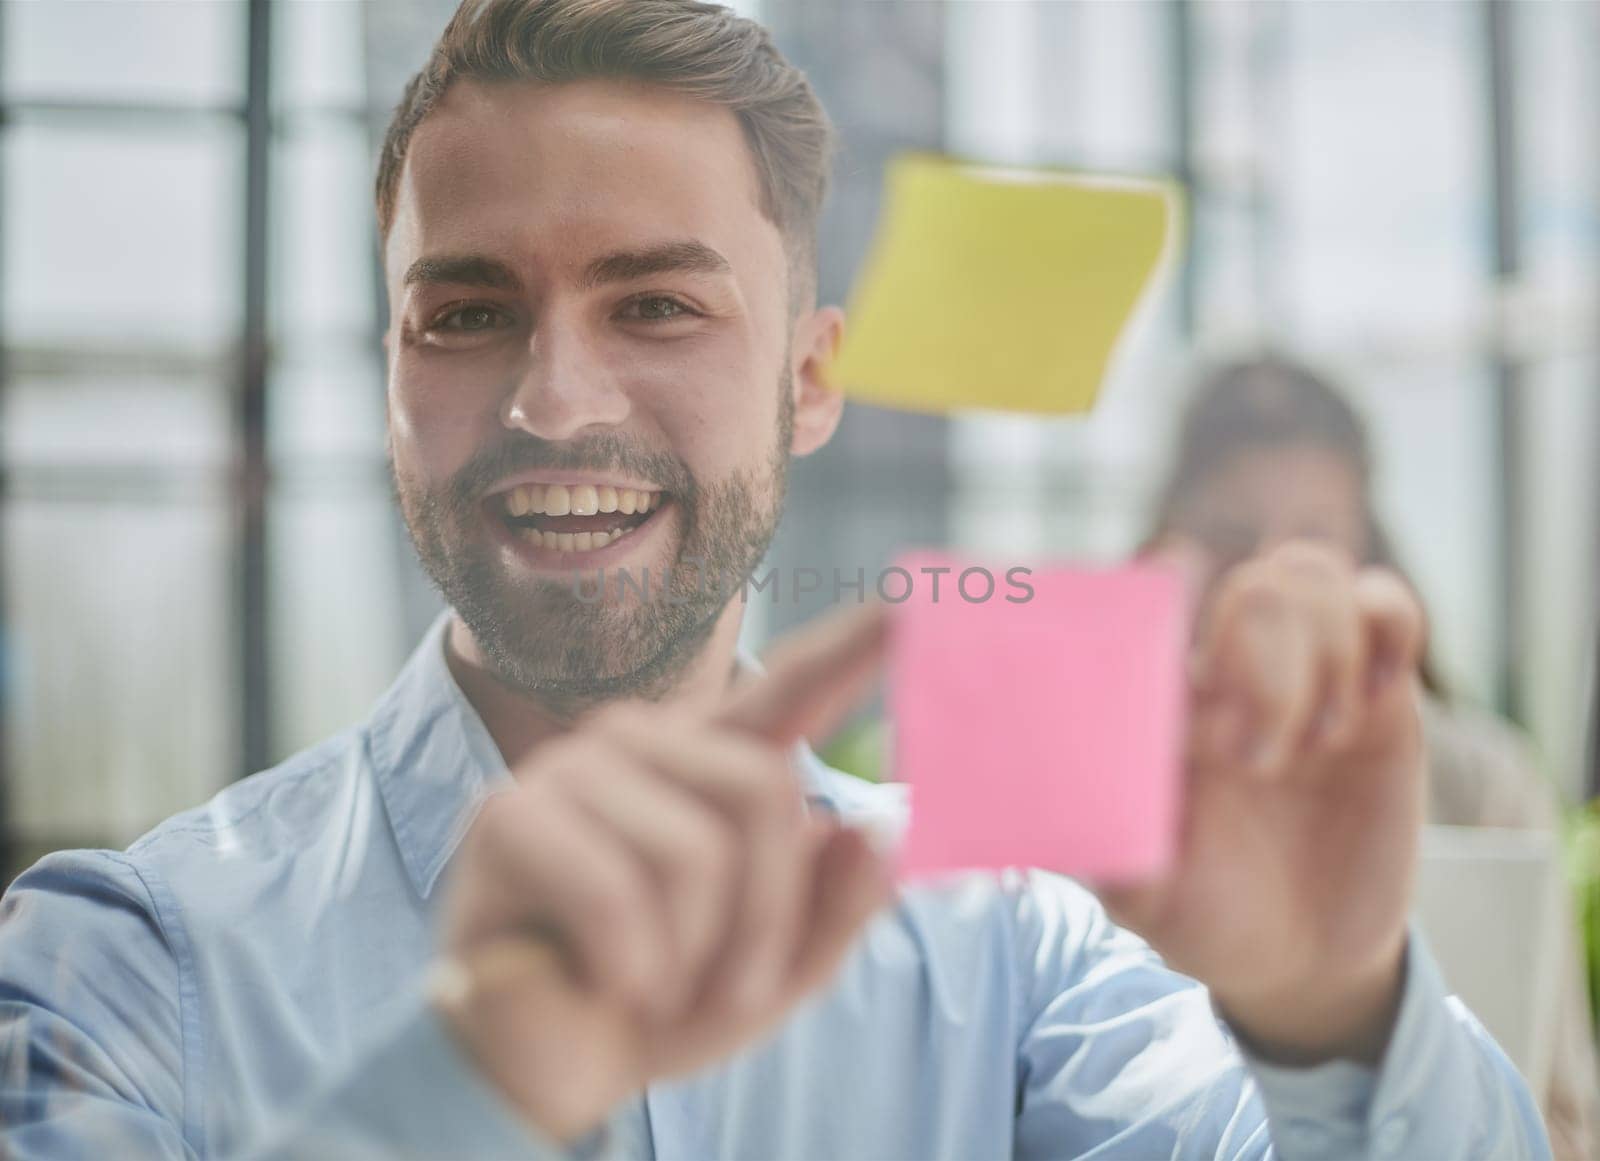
{"type": "Point", "coordinates": [246, 979]}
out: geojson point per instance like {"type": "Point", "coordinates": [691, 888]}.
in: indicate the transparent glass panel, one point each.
{"type": "Point", "coordinates": [326, 405]}
{"type": "Point", "coordinates": [991, 95]}
{"type": "Point", "coordinates": [318, 54]}
{"type": "Point", "coordinates": [1383, 173]}
{"type": "Point", "coordinates": [187, 51]}
{"type": "Point", "coordinates": [323, 235]}
{"type": "Point", "coordinates": [1228, 80]}
{"type": "Point", "coordinates": [1558, 152]}
{"type": "Point", "coordinates": [1558, 160]}
{"type": "Point", "coordinates": [1230, 279]}
{"type": "Point", "coordinates": [336, 549]}
{"type": "Point", "coordinates": [1560, 515]}
{"type": "Point", "coordinates": [1085, 84]}
{"type": "Point", "coordinates": [1434, 443]}
{"type": "Point", "coordinates": [336, 546]}
{"type": "Point", "coordinates": [120, 630]}
{"type": "Point", "coordinates": [63, 421]}
{"type": "Point", "coordinates": [118, 237]}
{"type": "Point", "coordinates": [1103, 80]}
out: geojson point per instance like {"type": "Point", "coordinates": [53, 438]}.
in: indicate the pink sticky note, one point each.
{"type": "Point", "coordinates": [1042, 732]}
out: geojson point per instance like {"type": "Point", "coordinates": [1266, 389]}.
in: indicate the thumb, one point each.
{"type": "Point", "coordinates": [814, 677]}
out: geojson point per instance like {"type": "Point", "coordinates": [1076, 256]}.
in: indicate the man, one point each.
{"type": "Point", "coordinates": [598, 220]}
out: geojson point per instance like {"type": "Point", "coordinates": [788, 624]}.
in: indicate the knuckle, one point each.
{"type": "Point", "coordinates": [1261, 596]}
{"type": "Point", "coordinates": [1314, 558]}
{"type": "Point", "coordinates": [1385, 586]}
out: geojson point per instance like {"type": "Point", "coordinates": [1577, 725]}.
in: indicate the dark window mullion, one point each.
{"type": "Point", "coordinates": [8, 650]}
{"type": "Point", "coordinates": [251, 483]}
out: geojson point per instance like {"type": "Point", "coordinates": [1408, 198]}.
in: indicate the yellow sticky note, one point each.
{"type": "Point", "coordinates": [1001, 289]}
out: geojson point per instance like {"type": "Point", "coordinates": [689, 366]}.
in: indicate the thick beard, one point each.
{"type": "Point", "coordinates": [572, 654]}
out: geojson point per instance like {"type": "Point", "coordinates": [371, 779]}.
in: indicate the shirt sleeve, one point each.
{"type": "Point", "coordinates": [1121, 1056]}
{"type": "Point", "coordinates": [97, 1029]}
{"type": "Point", "coordinates": [91, 1026]}
{"type": "Point", "coordinates": [416, 1096]}
{"type": "Point", "coordinates": [1443, 1089]}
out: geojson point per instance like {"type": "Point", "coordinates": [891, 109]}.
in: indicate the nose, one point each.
{"type": "Point", "coordinates": [565, 387]}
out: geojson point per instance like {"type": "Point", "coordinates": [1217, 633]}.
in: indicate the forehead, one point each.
{"type": "Point", "coordinates": [557, 172]}
{"type": "Point", "coordinates": [1289, 476]}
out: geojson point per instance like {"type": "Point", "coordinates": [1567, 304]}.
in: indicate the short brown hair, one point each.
{"type": "Point", "coordinates": [700, 50]}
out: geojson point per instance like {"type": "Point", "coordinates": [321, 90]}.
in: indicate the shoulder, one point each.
{"type": "Point", "coordinates": [278, 810]}
{"type": "Point", "coordinates": [1461, 728]}
{"type": "Point", "coordinates": [199, 870]}
{"type": "Point", "coordinates": [85, 952]}
{"type": "Point", "coordinates": [1482, 771]}
{"type": "Point", "coordinates": [144, 897]}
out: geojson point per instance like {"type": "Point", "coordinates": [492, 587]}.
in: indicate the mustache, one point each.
{"type": "Point", "coordinates": [601, 452]}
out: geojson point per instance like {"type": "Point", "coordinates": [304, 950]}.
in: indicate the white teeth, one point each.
{"type": "Point", "coordinates": [578, 500]}
{"type": "Point", "coordinates": [573, 541]}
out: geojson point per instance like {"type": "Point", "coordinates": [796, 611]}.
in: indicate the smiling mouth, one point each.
{"type": "Point", "coordinates": [576, 518]}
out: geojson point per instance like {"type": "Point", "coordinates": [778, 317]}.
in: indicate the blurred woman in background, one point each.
{"type": "Point", "coordinates": [1269, 451]}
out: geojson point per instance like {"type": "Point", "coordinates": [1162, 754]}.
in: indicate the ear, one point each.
{"type": "Point", "coordinates": [817, 404]}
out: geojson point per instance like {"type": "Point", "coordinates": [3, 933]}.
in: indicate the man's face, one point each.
{"type": "Point", "coordinates": [592, 366]}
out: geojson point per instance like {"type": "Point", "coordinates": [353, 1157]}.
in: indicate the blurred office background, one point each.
{"type": "Point", "coordinates": [200, 568]}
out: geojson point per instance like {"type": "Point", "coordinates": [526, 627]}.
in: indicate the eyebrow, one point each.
{"type": "Point", "coordinates": [669, 257]}
{"type": "Point", "coordinates": [464, 270]}
{"type": "Point", "coordinates": [686, 256]}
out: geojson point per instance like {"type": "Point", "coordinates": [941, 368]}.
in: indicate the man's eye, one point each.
{"type": "Point", "coordinates": [657, 308]}
{"type": "Point", "coordinates": [470, 318]}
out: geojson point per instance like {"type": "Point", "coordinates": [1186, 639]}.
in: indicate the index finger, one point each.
{"type": "Point", "coordinates": [814, 677]}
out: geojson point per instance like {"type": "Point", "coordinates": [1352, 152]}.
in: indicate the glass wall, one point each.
{"type": "Point", "coordinates": [1343, 162]}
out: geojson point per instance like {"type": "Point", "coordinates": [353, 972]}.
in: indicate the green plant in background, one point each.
{"type": "Point", "coordinates": [860, 749]}
{"type": "Point", "coordinates": [1583, 870]}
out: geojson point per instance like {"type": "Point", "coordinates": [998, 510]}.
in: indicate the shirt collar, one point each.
{"type": "Point", "coordinates": [435, 762]}
{"type": "Point", "coordinates": [433, 759]}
